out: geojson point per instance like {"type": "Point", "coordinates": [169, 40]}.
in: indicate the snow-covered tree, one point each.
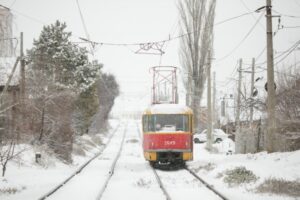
{"type": "Point", "coordinates": [65, 65]}
{"type": "Point", "coordinates": [59, 72]}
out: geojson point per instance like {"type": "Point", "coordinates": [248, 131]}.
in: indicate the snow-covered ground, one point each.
{"type": "Point", "coordinates": [134, 179]}
{"type": "Point", "coordinates": [212, 167]}
{"type": "Point", "coordinates": [26, 179]}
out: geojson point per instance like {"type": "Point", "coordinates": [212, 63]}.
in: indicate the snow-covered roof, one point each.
{"type": "Point", "coordinates": [6, 67]}
{"type": "Point", "coordinates": [168, 109]}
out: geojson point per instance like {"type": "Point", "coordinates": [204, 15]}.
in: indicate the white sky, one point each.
{"type": "Point", "coordinates": [130, 21]}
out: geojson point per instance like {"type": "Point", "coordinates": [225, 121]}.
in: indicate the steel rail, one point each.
{"type": "Point", "coordinates": [210, 187]}
{"type": "Point", "coordinates": [155, 173]}
{"type": "Point", "coordinates": [112, 168]}
{"type": "Point", "coordinates": [162, 187]}
{"type": "Point", "coordinates": [52, 191]}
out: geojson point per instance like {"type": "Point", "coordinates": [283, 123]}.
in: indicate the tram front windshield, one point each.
{"type": "Point", "coordinates": [167, 123]}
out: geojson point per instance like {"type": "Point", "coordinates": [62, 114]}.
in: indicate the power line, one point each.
{"type": "Point", "coordinates": [12, 4]}
{"type": "Point", "coordinates": [143, 45]}
{"type": "Point", "coordinates": [290, 26]}
{"type": "Point", "coordinates": [289, 50]}
{"type": "Point", "coordinates": [261, 53]}
{"type": "Point", "coordinates": [82, 20]}
{"type": "Point", "coordinates": [291, 16]}
{"type": "Point", "coordinates": [85, 27]}
{"type": "Point", "coordinates": [278, 72]}
{"type": "Point", "coordinates": [244, 4]}
{"type": "Point", "coordinates": [241, 42]}
{"type": "Point", "coordinates": [166, 40]}
{"type": "Point", "coordinates": [28, 17]}
{"type": "Point", "coordinates": [171, 33]}
{"type": "Point", "coordinates": [231, 75]}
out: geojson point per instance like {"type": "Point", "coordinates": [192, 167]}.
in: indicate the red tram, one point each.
{"type": "Point", "coordinates": [168, 134]}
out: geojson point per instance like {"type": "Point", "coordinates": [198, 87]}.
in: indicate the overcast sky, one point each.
{"type": "Point", "coordinates": [131, 21]}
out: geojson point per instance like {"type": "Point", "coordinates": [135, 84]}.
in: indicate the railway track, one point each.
{"type": "Point", "coordinates": [79, 170]}
{"type": "Point", "coordinates": [168, 194]}
{"type": "Point", "coordinates": [172, 183]}
{"type": "Point", "coordinates": [162, 187]}
{"type": "Point", "coordinates": [203, 182]}
{"type": "Point", "coordinates": [210, 187]}
{"type": "Point", "coordinates": [112, 168]}
{"type": "Point", "coordinates": [121, 165]}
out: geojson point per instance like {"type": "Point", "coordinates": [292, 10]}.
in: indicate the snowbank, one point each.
{"type": "Point", "coordinates": [213, 167]}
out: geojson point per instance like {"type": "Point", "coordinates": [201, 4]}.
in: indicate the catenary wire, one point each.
{"type": "Point", "coordinates": [244, 4]}
{"type": "Point", "coordinates": [242, 41]}
{"type": "Point", "coordinates": [12, 4]}
{"type": "Point", "coordinates": [166, 40]}
{"type": "Point", "coordinates": [285, 15]}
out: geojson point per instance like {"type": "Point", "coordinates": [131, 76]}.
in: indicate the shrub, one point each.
{"type": "Point", "coordinates": [143, 183]}
{"type": "Point", "coordinates": [239, 175]}
{"type": "Point", "coordinates": [10, 190]}
{"type": "Point", "coordinates": [207, 167]}
{"type": "Point", "coordinates": [280, 186]}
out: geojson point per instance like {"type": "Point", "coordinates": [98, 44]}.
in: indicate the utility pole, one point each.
{"type": "Point", "coordinates": [252, 88]}
{"type": "Point", "coordinates": [214, 101]}
{"type": "Point", "coordinates": [22, 71]}
{"type": "Point", "coordinates": [223, 107]}
{"type": "Point", "coordinates": [209, 109]}
{"type": "Point", "coordinates": [237, 117]}
{"type": "Point", "coordinates": [270, 73]}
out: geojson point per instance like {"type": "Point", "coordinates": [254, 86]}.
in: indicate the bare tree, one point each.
{"type": "Point", "coordinates": [288, 95]}
{"type": "Point", "coordinates": [8, 152]}
{"type": "Point", "coordinates": [197, 18]}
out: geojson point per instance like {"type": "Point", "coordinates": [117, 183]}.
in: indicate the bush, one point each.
{"type": "Point", "coordinates": [280, 186]}
{"type": "Point", "coordinates": [9, 190]}
{"type": "Point", "coordinates": [207, 167]}
{"type": "Point", "coordinates": [239, 175]}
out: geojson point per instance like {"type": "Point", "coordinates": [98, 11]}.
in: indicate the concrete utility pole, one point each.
{"type": "Point", "coordinates": [238, 135]}
{"type": "Point", "coordinates": [22, 71]}
{"type": "Point", "coordinates": [214, 117]}
{"type": "Point", "coordinates": [223, 107]}
{"type": "Point", "coordinates": [209, 110]}
{"type": "Point", "coordinates": [271, 89]}
{"type": "Point", "coordinates": [237, 117]}
{"type": "Point", "coordinates": [252, 88]}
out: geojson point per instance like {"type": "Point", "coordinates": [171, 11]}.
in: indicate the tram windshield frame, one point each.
{"type": "Point", "coordinates": [166, 123]}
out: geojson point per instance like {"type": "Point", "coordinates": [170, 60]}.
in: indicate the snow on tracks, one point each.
{"type": "Point", "coordinates": [180, 185]}
{"type": "Point", "coordinates": [58, 192]}
{"type": "Point", "coordinates": [132, 178]}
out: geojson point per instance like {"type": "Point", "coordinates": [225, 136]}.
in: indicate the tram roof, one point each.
{"type": "Point", "coordinates": [168, 109]}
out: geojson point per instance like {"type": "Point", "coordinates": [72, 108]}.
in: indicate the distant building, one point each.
{"type": "Point", "coordinates": [6, 33]}
{"type": "Point", "coordinates": [8, 108]}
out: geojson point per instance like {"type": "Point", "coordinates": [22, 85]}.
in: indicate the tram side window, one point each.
{"type": "Point", "coordinates": [151, 123]}
{"type": "Point", "coordinates": [185, 123]}
{"type": "Point", "coordinates": [145, 123]}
